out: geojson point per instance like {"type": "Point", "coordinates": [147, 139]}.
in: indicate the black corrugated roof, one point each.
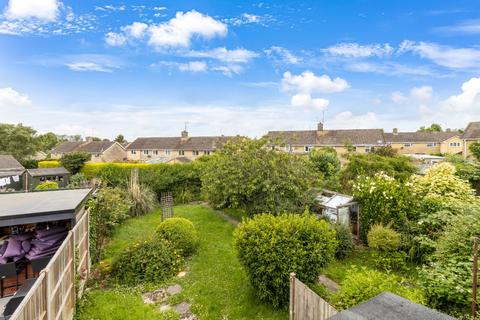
{"type": "Point", "coordinates": [48, 171]}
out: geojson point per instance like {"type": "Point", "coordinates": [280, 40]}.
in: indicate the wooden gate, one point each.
{"type": "Point", "coordinates": [306, 304]}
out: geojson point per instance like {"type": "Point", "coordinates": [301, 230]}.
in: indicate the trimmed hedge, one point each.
{"type": "Point", "coordinates": [271, 247]}
{"type": "Point", "coordinates": [183, 180]}
{"type": "Point", "coordinates": [47, 185]}
{"type": "Point", "coordinates": [49, 164]}
{"type": "Point", "coordinates": [181, 233]}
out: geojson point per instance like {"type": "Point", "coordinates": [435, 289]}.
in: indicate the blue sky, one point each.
{"type": "Point", "coordinates": [144, 68]}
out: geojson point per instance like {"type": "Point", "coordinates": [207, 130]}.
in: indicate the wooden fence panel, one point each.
{"type": "Point", "coordinates": [305, 304]}
{"type": "Point", "coordinates": [34, 305]}
{"type": "Point", "coordinates": [82, 250]}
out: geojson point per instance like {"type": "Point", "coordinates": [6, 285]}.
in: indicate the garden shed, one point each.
{"type": "Point", "coordinates": [387, 305]}
{"type": "Point", "coordinates": [11, 172]}
{"type": "Point", "coordinates": [340, 208]}
{"type": "Point", "coordinates": [42, 231]}
{"type": "Point", "coordinates": [34, 177]}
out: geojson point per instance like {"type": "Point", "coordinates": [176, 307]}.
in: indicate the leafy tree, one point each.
{"type": "Point", "coordinates": [74, 161]}
{"type": "Point", "coordinates": [386, 151]}
{"type": "Point", "coordinates": [398, 167]}
{"type": "Point", "coordinates": [120, 138]}
{"type": "Point", "coordinates": [48, 141]}
{"type": "Point", "coordinates": [384, 200]}
{"type": "Point", "coordinates": [434, 127]}
{"type": "Point", "coordinates": [466, 169]}
{"type": "Point", "coordinates": [326, 161]}
{"type": "Point", "coordinates": [475, 149]}
{"type": "Point", "coordinates": [245, 174]}
{"type": "Point", "coordinates": [18, 140]}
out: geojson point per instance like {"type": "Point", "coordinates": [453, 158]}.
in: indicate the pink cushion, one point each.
{"type": "Point", "coordinates": [14, 248]}
{"type": "Point", "coordinates": [26, 246]}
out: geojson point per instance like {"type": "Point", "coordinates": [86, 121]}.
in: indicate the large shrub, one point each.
{"type": "Point", "coordinates": [271, 247]}
{"type": "Point", "coordinates": [344, 240]}
{"type": "Point", "coordinates": [181, 233]}
{"type": "Point", "coordinates": [247, 175]}
{"type": "Point", "coordinates": [360, 285]}
{"type": "Point", "coordinates": [150, 260]}
{"type": "Point", "coordinates": [109, 208]}
{"type": "Point", "coordinates": [47, 185]}
{"type": "Point", "coordinates": [383, 200]}
{"type": "Point", "coordinates": [78, 181]}
{"type": "Point", "coordinates": [74, 161]}
{"type": "Point", "coordinates": [383, 238]}
{"type": "Point", "coordinates": [326, 161]}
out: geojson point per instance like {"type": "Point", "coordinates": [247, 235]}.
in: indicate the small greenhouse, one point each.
{"type": "Point", "coordinates": [340, 208]}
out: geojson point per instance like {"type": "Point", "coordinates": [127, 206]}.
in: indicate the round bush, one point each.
{"type": "Point", "coordinates": [344, 240]}
{"type": "Point", "coordinates": [47, 185]}
{"type": "Point", "coordinates": [383, 238]}
{"type": "Point", "coordinates": [180, 233]}
{"type": "Point", "coordinates": [271, 247]}
{"type": "Point", "coordinates": [150, 260]}
{"type": "Point", "coordinates": [360, 285]}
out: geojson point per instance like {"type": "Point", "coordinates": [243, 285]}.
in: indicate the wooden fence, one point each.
{"type": "Point", "coordinates": [52, 296]}
{"type": "Point", "coordinates": [306, 304]}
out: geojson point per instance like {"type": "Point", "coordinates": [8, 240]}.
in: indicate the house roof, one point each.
{"type": "Point", "coordinates": [176, 143]}
{"type": "Point", "coordinates": [420, 136]}
{"type": "Point", "coordinates": [67, 146]}
{"type": "Point", "coordinates": [387, 305]}
{"type": "Point", "coordinates": [329, 137]}
{"type": "Point", "coordinates": [33, 207]}
{"type": "Point", "coordinates": [95, 146]}
{"type": "Point", "coordinates": [8, 162]}
{"type": "Point", "coordinates": [472, 131]}
{"type": "Point", "coordinates": [48, 172]}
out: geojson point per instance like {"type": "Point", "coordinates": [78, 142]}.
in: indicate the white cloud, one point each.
{"type": "Point", "coordinates": [177, 32]}
{"type": "Point", "coordinates": [229, 69]}
{"type": "Point", "coordinates": [193, 66]}
{"type": "Point", "coordinates": [421, 94]}
{"type": "Point", "coordinates": [355, 50]}
{"type": "Point", "coordinates": [222, 54]}
{"type": "Point", "coordinates": [115, 39]}
{"type": "Point", "coordinates": [308, 82]}
{"type": "Point", "coordinates": [10, 97]}
{"type": "Point", "coordinates": [446, 56]}
{"type": "Point", "coordinates": [466, 27]}
{"type": "Point", "coordinates": [399, 98]}
{"type": "Point", "coordinates": [305, 100]}
{"type": "Point", "coordinates": [467, 100]}
{"type": "Point", "coordinates": [110, 8]}
{"type": "Point", "coordinates": [376, 101]}
{"type": "Point", "coordinates": [46, 10]}
{"type": "Point", "coordinates": [249, 18]}
{"type": "Point", "coordinates": [389, 68]}
{"type": "Point", "coordinates": [89, 62]}
{"type": "Point", "coordinates": [281, 55]}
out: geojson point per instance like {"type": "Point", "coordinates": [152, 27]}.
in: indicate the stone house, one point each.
{"type": "Point", "coordinates": [101, 151]}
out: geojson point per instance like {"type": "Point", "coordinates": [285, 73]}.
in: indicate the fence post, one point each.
{"type": "Point", "coordinates": [292, 296]}
{"type": "Point", "coordinates": [47, 294]}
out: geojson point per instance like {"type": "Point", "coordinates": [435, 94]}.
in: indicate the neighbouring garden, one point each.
{"type": "Point", "coordinates": [416, 233]}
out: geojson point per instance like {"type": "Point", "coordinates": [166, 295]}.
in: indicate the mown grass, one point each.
{"type": "Point", "coordinates": [216, 284]}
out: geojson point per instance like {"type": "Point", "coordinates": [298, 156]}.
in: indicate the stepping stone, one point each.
{"type": "Point", "coordinates": [183, 308]}
{"type": "Point", "coordinates": [164, 308]}
{"type": "Point", "coordinates": [154, 296]}
{"type": "Point", "coordinates": [328, 283]}
{"type": "Point", "coordinates": [181, 274]}
{"type": "Point", "coordinates": [176, 288]}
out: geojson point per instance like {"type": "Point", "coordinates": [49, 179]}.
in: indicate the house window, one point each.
{"type": "Point", "coordinates": [430, 145]}
{"type": "Point", "coordinates": [368, 149]}
{"type": "Point", "coordinates": [181, 152]}
{"type": "Point", "coordinates": [133, 152]}
{"type": "Point", "coordinates": [308, 148]}
{"type": "Point", "coordinates": [195, 153]}
{"type": "Point", "coordinates": [167, 152]}
{"type": "Point", "coordinates": [206, 152]}
{"type": "Point", "coordinates": [145, 151]}
{"type": "Point", "coordinates": [407, 145]}
{"type": "Point", "coordinates": [454, 144]}
{"type": "Point", "coordinates": [155, 152]}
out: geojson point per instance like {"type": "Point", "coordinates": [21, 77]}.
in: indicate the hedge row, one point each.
{"type": "Point", "coordinates": [183, 180]}
{"type": "Point", "coordinates": [49, 164]}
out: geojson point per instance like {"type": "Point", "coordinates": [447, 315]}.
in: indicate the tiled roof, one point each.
{"type": "Point", "coordinates": [472, 132]}
{"type": "Point", "coordinates": [8, 162]}
{"type": "Point", "coordinates": [329, 137]}
{"type": "Point", "coordinates": [176, 143]}
{"type": "Point", "coordinates": [95, 146]}
{"type": "Point", "coordinates": [420, 136]}
{"type": "Point", "coordinates": [67, 146]}
{"type": "Point", "coordinates": [47, 171]}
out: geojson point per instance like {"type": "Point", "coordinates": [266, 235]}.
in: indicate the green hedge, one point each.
{"type": "Point", "coordinates": [183, 180]}
{"type": "Point", "coordinates": [49, 164]}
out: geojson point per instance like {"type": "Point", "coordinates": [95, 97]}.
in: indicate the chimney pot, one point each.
{"type": "Point", "coordinates": [395, 130]}
{"type": "Point", "coordinates": [320, 126]}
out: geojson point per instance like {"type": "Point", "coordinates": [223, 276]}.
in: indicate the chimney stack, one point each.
{"type": "Point", "coordinates": [395, 131]}
{"type": "Point", "coordinates": [184, 135]}
{"type": "Point", "coordinates": [320, 126]}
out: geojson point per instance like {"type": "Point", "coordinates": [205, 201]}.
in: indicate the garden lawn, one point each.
{"type": "Point", "coordinates": [216, 284]}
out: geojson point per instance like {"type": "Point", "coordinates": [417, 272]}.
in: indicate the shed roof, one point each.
{"type": "Point", "coordinates": [9, 166]}
{"type": "Point", "coordinates": [335, 200]}
{"type": "Point", "coordinates": [389, 306]}
{"type": "Point", "coordinates": [48, 172]}
{"type": "Point", "coordinates": [33, 207]}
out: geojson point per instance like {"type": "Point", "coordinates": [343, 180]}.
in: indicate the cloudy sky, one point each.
{"type": "Point", "coordinates": [144, 68]}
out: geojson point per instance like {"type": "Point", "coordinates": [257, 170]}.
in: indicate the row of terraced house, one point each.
{"type": "Point", "coordinates": [184, 148]}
